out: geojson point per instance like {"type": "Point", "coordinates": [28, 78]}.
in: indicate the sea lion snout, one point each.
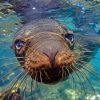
{"type": "Point", "coordinates": [48, 57]}
{"type": "Point", "coordinates": [39, 60]}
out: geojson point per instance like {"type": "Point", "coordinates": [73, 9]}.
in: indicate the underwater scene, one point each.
{"type": "Point", "coordinates": [49, 49]}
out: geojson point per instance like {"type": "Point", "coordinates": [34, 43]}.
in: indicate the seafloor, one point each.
{"type": "Point", "coordinates": [10, 22]}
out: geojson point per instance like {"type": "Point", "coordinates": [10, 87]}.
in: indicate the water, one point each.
{"type": "Point", "coordinates": [77, 87]}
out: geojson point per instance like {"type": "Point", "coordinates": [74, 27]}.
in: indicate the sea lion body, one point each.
{"type": "Point", "coordinates": [46, 51]}
{"type": "Point", "coordinates": [34, 9]}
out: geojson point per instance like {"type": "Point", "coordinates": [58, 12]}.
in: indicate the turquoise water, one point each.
{"type": "Point", "coordinates": [74, 88]}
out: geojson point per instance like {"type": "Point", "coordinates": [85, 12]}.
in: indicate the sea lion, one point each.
{"type": "Point", "coordinates": [44, 33]}
{"type": "Point", "coordinates": [43, 48]}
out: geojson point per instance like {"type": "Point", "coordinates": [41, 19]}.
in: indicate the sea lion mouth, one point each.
{"type": "Point", "coordinates": [39, 65]}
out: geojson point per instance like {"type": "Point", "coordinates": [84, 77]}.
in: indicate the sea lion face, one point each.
{"type": "Point", "coordinates": [47, 56]}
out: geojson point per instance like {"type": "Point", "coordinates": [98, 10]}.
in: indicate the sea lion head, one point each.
{"type": "Point", "coordinates": [46, 56]}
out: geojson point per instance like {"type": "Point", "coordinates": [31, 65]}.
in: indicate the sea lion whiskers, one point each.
{"type": "Point", "coordinates": [15, 82]}
{"type": "Point", "coordinates": [4, 47]}
{"type": "Point", "coordinates": [92, 72]}
{"type": "Point", "coordinates": [7, 65]}
{"type": "Point", "coordinates": [81, 80]}
{"type": "Point", "coordinates": [85, 76]}
{"type": "Point", "coordinates": [65, 67]}
{"type": "Point", "coordinates": [5, 40]}
{"type": "Point", "coordinates": [84, 46]}
{"type": "Point", "coordinates": [17, 77]}
{"type": "Point", "coordinates": [84, 50]}
{"type": "Point", "coordinates": [10, 58]}
{"type": "Point", "coordinates": [87, 51]}
{"type": "Point", "coordinates": [88, 69]}
{"type": "Point", "coordinates": [31, 89]}
{"type": "Point", "coordinates": [90, 84]}
{"type": "Point", "coordinates": [87, 44]}
{"type": "Point", "coordinates": [40, 76]}
{"type": "Point", "coordinates": [23, 79]}
{"type": "Point", "coordinates": [36, 72]}
{"type": "Point", "coordinates": [9, 73]}
{"type": "Point", "coordinates": [93, 37]}
{"type": "Point", "coordinates": [83, 72]}
{"type": "Point", "coordinates": [73, 79]}
{"type": "Point", "coordinates": [24, 85]}
{"type": "Point", "coordinates": [63, 75]}
{"type": "Point", "coordinates": [68, 70]}
{"type": "Point", "coordinates": [74, 85]}
{"type": "Point", "coordinates": [89, 63]}
{"type": "Point", "coordinates": [46, 74]}
{"type": "Point", "coordinates": [24, 90]}
{"type": "Point", "coordinates": [89, 56]}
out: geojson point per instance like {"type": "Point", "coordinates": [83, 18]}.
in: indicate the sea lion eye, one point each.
{"type": "Point", "coordinates": [70, 37]}
{"type": "Point", "coordinates": [70, 40]}
{"type": "Point", "coordinates": [19, 44]}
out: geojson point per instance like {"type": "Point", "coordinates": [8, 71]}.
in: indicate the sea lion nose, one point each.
{"type": "Point", "coordinates": [51, 55]}
{"type": "Point", "coordinates": [50, 49]}
{"type": "Point", "coordinates": [58, 57]}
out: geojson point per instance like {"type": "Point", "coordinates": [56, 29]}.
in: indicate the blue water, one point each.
{"type": "Point", "coordinates": [70, 89]}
